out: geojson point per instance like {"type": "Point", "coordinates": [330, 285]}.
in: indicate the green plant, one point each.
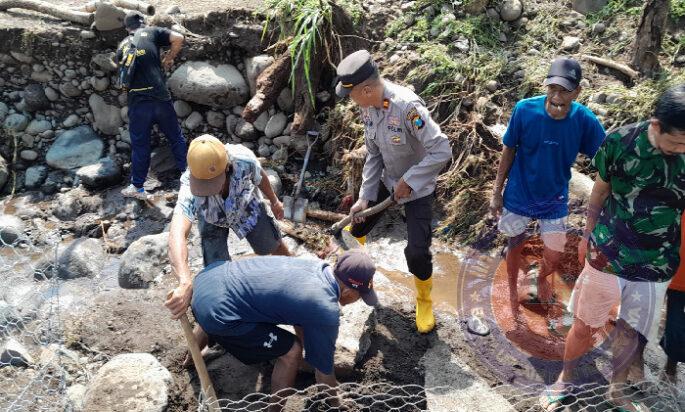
{"type": "Point", "coordinates": [303, 22]}
{"type": "Point", "coordinates": [677, 8]}
{"type": "Point", "coordinates": [616, 8]}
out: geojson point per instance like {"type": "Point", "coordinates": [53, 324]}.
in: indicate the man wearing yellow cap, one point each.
{"type": "Point", "coordinates": [219, 189]}
{"type": "Point", "coordinates": [406, 152]}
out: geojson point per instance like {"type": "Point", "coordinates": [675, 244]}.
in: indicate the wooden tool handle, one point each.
{"type": "Point", "coordinates": [199, 362]}
{"type": "Point", "coordinates": [337, 227]}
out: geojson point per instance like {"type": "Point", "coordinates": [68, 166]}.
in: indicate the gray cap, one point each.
{"type": "Point", "coordinates": [354, 69]}
{"type": "Point", "coordinates": [564, 72]}
{"type": "Point", "coordinates": [133, 20]}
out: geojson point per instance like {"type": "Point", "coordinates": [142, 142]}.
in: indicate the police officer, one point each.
{"type": "Point", "coordinates": [406, 152]}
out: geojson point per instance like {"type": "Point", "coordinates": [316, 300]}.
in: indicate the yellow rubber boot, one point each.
{"type": "Point", "coordinates": [361, 240]}
{"type": "Point", "coordinates": [425, 321]}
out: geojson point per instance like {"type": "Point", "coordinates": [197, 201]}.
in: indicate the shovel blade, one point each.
{"type": "Point", "coordinates": [288, 207]}
{"type": "Point", "coordinates": [300, 210]}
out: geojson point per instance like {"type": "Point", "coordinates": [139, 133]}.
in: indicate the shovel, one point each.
{"type": "Point", "coordinates": [295, 207]}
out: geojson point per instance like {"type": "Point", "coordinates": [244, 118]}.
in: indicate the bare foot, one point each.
{"type": "Point", "coordinates": [619, 400]}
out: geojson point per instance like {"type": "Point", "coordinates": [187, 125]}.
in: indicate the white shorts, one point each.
{"type": "Point", "coordinates": [597, 292]}
{"type": "Point", "coordinates": [552, 231]}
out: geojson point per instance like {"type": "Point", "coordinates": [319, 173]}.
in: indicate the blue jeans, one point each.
{"type": "Point", "coordinates": [142, 116]}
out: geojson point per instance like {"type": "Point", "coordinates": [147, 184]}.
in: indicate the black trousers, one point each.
{"type": "Point", "coordinates": [419, 214]}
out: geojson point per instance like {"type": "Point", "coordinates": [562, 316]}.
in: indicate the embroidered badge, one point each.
{"type": "Point", "coordinates": [412, 113]}
{"type": "Point", "coordinates": [393, 120]}
{"type": "Point", "coordinates": [386, 103]}
{"type": "Point", "coordinates": [396, 140]}
{"type": "Point", "coordinates": [417, 122]}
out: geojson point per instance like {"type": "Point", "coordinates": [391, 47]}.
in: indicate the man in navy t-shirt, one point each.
{"type": "Point", "coordinates": [239, 304]}
{"type": "Point", "coordinates": [544, 137]}
{"type": "Point", "coordinates": [149, 101]}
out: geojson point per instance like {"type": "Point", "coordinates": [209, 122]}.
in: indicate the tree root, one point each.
{"type": "Point", "coordinates": [632, 74]}
{"type": "Point", "coordinates": [269, 85]}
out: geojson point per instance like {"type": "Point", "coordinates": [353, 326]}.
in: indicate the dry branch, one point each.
{"type": "Point", "coordinates": [135, 5]}
{"type": "Point", "coordinates": [613, 65]}
{"type": "Point", "coordinates": [49, 9]}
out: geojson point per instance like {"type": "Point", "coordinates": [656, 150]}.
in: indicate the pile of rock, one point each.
{"type": "Point", "coordinates": [70, 123]}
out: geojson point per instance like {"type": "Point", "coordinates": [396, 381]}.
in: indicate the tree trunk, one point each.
{"type": "Point", "coordinates": [649, 35]}
{"type": "Point", "coordinates": [269, 84]}
{"type": "Point", "coordinates": [50, 9]}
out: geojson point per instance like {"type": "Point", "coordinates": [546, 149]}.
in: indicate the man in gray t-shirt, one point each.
{"type": "Point", "coordinates": [239, 304]}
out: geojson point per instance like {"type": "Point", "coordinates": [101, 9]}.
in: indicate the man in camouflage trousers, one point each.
{"type": "Point", "coordinates": [630, 246]}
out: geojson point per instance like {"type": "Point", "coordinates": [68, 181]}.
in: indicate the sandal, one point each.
{"type": "Point", "coordinates": [633, 406]}
{"type": "Point", "coordinates": [553, 399]}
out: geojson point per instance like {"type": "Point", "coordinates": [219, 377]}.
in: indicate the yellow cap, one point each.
{"type": "Point", "coordinates": [207, 161]}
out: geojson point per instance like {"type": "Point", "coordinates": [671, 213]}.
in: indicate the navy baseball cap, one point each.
{"type": "Point", "coordinates": [565, 72]}
{"type": "Point", "coordinates": [133, 20]}
{"type": "Point", "coordinates": [356, 269]}
{"type": "Point", "coordinates": [354, 69]}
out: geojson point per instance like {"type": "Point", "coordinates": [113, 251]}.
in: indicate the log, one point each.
{"type": "Point", "coordinates": [135, 5]}
{"type": "Point", "coordinates": [60, 12]}
{"type": "Point", "coordinates": [325, 215]}
{"type": "Point", "coordinates": [364, 213]}
{"type": "Point", "coordinates": [269, 85]}
{"type": "Point", "coordinates": [632, 74]}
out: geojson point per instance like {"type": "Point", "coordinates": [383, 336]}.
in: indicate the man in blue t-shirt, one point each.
{"type": "Point", "coordinates": [239, 304]}
{"type": "Point", "coordinates": [544, 137]}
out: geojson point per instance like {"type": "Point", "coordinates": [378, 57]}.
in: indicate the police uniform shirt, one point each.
{"type": "Point", "coordinates": [402, 141]}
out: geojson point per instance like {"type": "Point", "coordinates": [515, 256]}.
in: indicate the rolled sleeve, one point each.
{"type": "Point", "coordinates": [373, 169]}
{"type": "Point", "coordinates": [185, 203]}
{"type": "Point", "coordinates": [438, 151]}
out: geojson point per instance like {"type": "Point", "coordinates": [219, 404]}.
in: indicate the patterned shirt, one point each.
{"type": "Point", "coordinates": [240, 210]}
{"type": "Point", "coordinates": [637, 235]}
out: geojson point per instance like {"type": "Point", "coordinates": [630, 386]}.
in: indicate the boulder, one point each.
{"type": "Point", "coordinates": [35, 98]}
{"type": "Point", "coordinates": [275, 181]}
{"type": "Point", "coordinates": [201, 82]}
{"type": "Point", "coordinates": [14, 353]}
{"type": "Point", "coordinates": [37, 127]}
{"type": "Point", "coordinates": [282, 141]}
{"type": "Point", "coordinates": [285, 100]}
{"type": "Point", "coordinates": [162, 160]}
{"type": "Point", "coordinates": [261, 121]}
{"type": "Point", "coordinates": [193, 121]}
{"type": "Point", "coordinates": [143, 261]}
{"type": "Point", "coordinates": [71, 121]}
{"type": "Point", "coordinates": [69, 90]}
{"type": "Point", "coordinates": [11, 229]}
{"type": "Point", "coordinates": [245, 130]}
{"type": "Point", "coordinates": [100, 175]}
{"type": "Point", "coordinates": [51, 94]}
{"type": "Point", "coordinates": [99, 84]}
{"type": "Point", "coordinates": [129, 382]}
{"type": "Point", "coordinates": [75, 396]}
{"type": "Point", "coordinates": [475, 6]}
{"type": "Point", "coordinates": [511, 10]}
{"type": "Point", "coordinates": [83, 257]}
{"type": "Point", "coordinates": [9, 317]}
{"type": "Point", "coordinates": [107, 117]}
{"type": "Point", "coordinates": [28, 155]}
{"type": "Point", "coordinates": [263, 150]}
{"type": "Point", "coordinates": [254, 66]}
{"type": "Point", "coordinates": [16, 123]}
{"type": "Point", "coordinates": [35, 176]}
{"type": "Point", "coordinates": [589, 6]}
{"type": "Point", "coordinates": [104, 62]}
{"type": "Point", "coordinates": [570, 43]}
{"type": "Point", "coordinates": [4, 172]}
{"type": "Point", "coordinates": [216, 119]}
{"type": "Point", "coordinates": [74, 148]}
{"type": "Point", "coordinates": [275, 125]}
{"type": "Point", "coordinates": [67, 206]}
{"type": "Point", "coordinates": [182, 109]}
{"type": "Point", "coordinates": [108, 17]}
